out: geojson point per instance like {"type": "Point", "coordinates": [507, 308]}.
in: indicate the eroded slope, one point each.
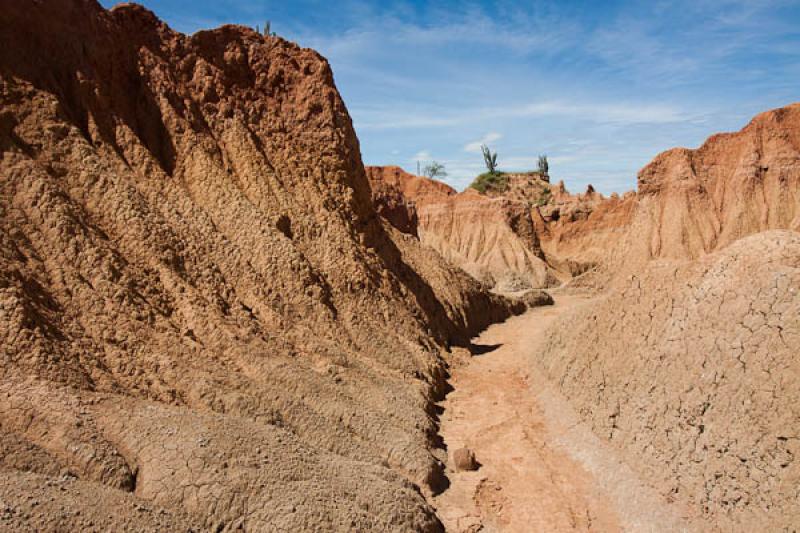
{"type": "Point", "coordinates": [691, 369]}
{"type": "Point", "coordinates": [493, 239]}
{"type": "Point", "coordinates": [198, 302]}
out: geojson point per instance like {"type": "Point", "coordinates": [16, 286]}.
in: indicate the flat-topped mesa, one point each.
{"type": "Point", "coordinates": [196, 289]}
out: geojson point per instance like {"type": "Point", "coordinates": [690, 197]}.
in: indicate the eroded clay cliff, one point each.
{"type": "Point", "coordinates": [199, 306]}
{"type": "Point", "coordinates": [688, 203]}
{"type": "Point", "coordinates": [689, 361]}
{"type": "Point", "coordinates": [692, 202]}
{"type": "Point", "coordinates": [494, 239]}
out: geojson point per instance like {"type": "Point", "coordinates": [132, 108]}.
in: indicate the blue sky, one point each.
{"type": "Point", "coordinates": [600, 87]}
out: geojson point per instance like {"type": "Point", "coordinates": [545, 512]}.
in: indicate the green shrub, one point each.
{"type": "Point", "coordinates": [544, 197]}
{"type": "Point", "coordinates": [490, 182]}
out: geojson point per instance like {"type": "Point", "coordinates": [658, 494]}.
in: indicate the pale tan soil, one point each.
{"type": "Point", "coordinates": [690, 369]}
{"type": "Point", "coordinates": [541, 470]}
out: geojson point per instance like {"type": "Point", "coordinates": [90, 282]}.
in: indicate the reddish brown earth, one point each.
{"type": "Point", "coordinates": [684, 365]}
{"type": "Point", "coordinates": [492, 238]}
{"type": "Point", "coordinates": [692, 202]}
{"type": "Point", "coordinates": [204, 322]}
{"type": "Point", "coordinates": [690, 369]}
{"type": "Point", "coordinates": [541, 467]}
{"type": "Point", "coordinates": [688, 203]}
{"type": "Point", "coordinates": [207, 326]}
{"type": "Point", "coordinates": [398, 194]}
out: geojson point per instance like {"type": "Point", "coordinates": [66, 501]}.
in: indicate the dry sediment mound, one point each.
{"type": "Point", "coordinates": [689, 362]}
{"type": "Point", "coordinates": [691, 368]}
{"type": "Point", "coordinates": [198, 303]}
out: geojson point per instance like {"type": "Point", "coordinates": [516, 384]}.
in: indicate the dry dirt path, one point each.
{"type": "Point", "coordinates": [541, 469]}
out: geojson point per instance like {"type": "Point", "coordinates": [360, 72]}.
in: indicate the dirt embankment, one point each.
{"type": "Point", "coordinates": [199, 307]}
{"type": "Point", "coordinates": [687, 363]}
{"type": "Point", "coordinates": [690, 368]}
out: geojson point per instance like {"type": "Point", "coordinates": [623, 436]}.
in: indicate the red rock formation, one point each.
{"type": "Point", "coordinates": [736, 184]}
{"type": "Point", "coordinates": [692, 202]}
{"type": "Point", "coordinates": [197, 299]}
{"type": "Point", "coordinates": [689, 364]}
{"type": "Point", "coordinates": [397, 193]}
{"type": "Point", "coordinates": [492, 238]}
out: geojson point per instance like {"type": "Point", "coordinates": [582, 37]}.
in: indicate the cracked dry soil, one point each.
{"type": "Point", "coordinates": [541, 468]}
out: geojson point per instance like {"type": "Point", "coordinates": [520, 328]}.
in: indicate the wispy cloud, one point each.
{"type": "Point", "coordinates": [475, 146]}
{"type": "Point", "coordinates": [422, 155]}
{"type": "Point", "coordinates": [600, 112]}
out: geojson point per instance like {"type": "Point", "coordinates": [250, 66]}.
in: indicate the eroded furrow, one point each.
{"type": "Point", "coordinates": [540, 468]}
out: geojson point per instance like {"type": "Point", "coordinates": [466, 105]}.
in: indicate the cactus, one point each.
{"type": "Point", "coordinates": [489, 158]}
{"type": "Point", "coordinates": [544, 167]}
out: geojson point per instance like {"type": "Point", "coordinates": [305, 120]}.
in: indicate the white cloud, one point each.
{"type": "Point", "coordinates": [475, 146]}
{"type": "Point", "coordinates": [599, 112]}
{"type": "Point", "coordinates": [422, 155]}
{"type": "Point", "coordinates": [618, 113]}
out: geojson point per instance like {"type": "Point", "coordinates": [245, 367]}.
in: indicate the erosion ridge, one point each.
{"type": "Point", "coordinates": [493, 239]}
{"type": "Point", "coordinates": [690, 202]}
{"type": "Point", "coordinates": [688, 363]}
{"type": "Point", "coordinates": [200, 305]}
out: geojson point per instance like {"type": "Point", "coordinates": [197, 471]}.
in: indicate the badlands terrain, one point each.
{"type": "Point", "coordinates": [215, 318]}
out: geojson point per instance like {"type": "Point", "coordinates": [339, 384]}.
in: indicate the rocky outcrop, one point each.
{"type": "Point", "coordinates": [396, 195]}
{"type": "Point", "coordinates": [688, 363]}
{"type": "Point", "coordinates": [198, 302]}
{"type": "Point", "coordinates": [688, 203]}
{"type": "Point", "coordinates": [736, 184]}
{"type": "Point", "coordinates": [693, 202]}
{"type": "Point", "coordinates": [529, 234]}
{"type": "Point", "coordinates": [493, 239]}
{"type": "Point", "coordinates": [691, 368]}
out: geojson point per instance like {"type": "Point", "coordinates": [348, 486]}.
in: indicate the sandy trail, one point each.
{"type": "Point", "coordinates": [541, 469]}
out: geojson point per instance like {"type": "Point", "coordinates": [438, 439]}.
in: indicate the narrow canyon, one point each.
{"type": "Point", "coordinates": [215, 317]}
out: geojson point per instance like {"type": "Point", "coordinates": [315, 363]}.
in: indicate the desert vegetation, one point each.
{"type": "Point", "coordinates": [490, 182]}
{"type": "Point", "coordinates": [543, 167]}
{"type": "Point", "coordinates": [544, 197]}
{"type": "Point", "coordinates": [492, 179]}
{"type": "Point", "coordinates": [434, 170]}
